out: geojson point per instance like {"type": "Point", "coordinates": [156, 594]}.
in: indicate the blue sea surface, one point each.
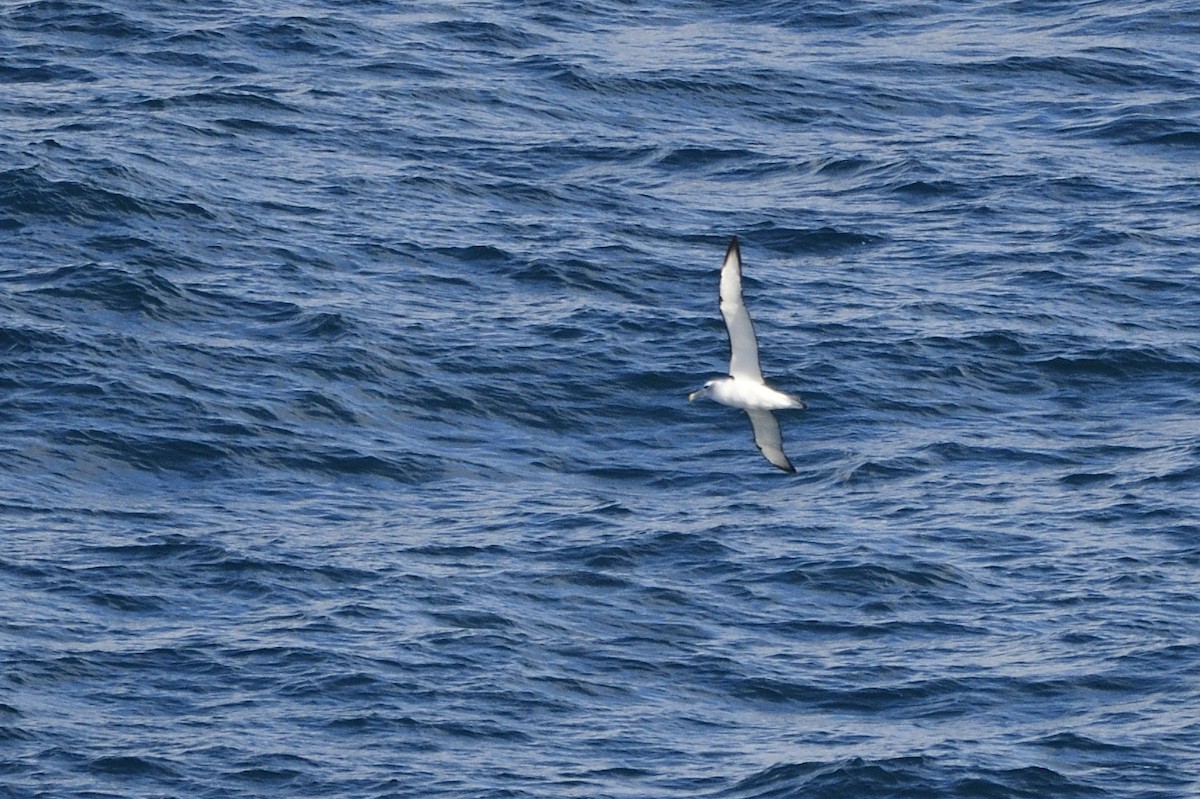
{"type": "Point", "coordinates": [345, 448]}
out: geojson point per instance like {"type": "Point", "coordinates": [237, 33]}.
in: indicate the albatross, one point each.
{"type": "Point", "coordinates": [744, 387]}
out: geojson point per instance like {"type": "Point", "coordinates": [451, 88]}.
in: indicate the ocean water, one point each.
{"type": "Point", "coordinates": [344, 441]}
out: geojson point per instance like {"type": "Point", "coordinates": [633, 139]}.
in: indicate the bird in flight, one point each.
{"type": "Point", "coordinates": [744, 387]}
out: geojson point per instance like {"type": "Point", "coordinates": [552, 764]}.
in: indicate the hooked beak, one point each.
{"type": "Point", "coordinates": [700, 392]}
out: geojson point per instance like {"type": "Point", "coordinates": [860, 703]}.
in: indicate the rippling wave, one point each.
{"type": "Point", "coordinates": [344, 361]}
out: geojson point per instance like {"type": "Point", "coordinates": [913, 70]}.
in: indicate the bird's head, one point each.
{"type": "Point", "coordinates": [701, 392]}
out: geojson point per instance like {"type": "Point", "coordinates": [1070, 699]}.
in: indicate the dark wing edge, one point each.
{"type": "Point", "coordinates": [743, 342]}
{"type": "Point", "coordinates": [769, 440]}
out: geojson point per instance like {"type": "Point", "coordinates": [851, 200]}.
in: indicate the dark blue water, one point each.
{"type": "Point", "coordinates": [344, 442]}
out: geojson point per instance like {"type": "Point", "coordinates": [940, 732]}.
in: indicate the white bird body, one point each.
{"type": "Point", "coordinates": [741, 392]}
{"type": "Point", "coordinates": [745, 387]}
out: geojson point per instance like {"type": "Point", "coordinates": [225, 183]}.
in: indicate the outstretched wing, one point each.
{"type": "Point", "coordinates": [768, 438]}
{"type": "Point", "coordinates": [743, 346]}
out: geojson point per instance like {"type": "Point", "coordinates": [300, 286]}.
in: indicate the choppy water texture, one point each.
{"type": "Point", "coordinates": [344, 443]}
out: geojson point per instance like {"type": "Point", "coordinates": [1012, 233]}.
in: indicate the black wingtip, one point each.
{"type": "Point", "coordinates": [733, 246]}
